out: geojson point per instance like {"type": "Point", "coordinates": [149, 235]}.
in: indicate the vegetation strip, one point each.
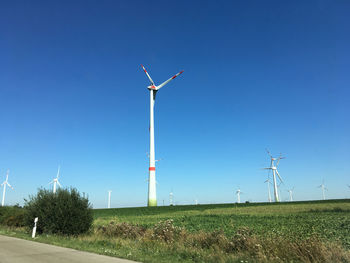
{"type": "Point", "coordinates": [295, 232]}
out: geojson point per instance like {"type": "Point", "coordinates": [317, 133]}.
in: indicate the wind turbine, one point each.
{"type": "Point", "coordinates": [280, 192]}
{"type": "Point", "coordinates": [323, 188]}
{"type": "Point", "coordinates": [268, 188]}
{"type": "Point", "coordinates": [274, 172]}
{"type": "Point", "coordinates": [55, 181]}
{"type": "Point", "coordinates": [152, 195]}
{"type": "Point", "coordinates": [171, 198]}
{"type": "Point", "coordinates": [109, 198]}
{"type": "Point", "coordinates": [290, 191]}
{"type": "Point", "coordinates": [4, 184]}
{"type": "Point", "coordinates": [238, 193]}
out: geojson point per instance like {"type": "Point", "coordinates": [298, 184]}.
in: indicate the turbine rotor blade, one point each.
{"type": "Point", "coordinates": [10, 186]}
{"type": "Point", "coordinates": [59, 183]}
{"type": "Point", "coordinates": [279, 176]}
{"type": "Point", "coordinates": [58, 172]}
{"type": "Point", "coordinates": [149, 77]}
{"type": "Point", "coordinates": [7, 174]}
{"type": "Point", "coordinates": [279, 158]}
{"type": "Point", "coordinates": [167, 81]}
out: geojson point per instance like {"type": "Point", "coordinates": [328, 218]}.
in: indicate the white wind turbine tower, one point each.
{"type": "Point", "coordinates": [238, 193]}
{"type": "Point", "coordinates": [290, 191]}
{"type": "Point", "coordinates": [4, 184]}
{"type": "Point", "coordinates": [274, 172]}
{"type": "Point", "coordinates": [268, 189]}
{"type": "Point", "coordinates": [109, 198]}
{"type": "Point", "coordinates": [323, 188]}
{"type": "Point", "coordinates": [152, 195]}
{"type": "Point", "coordinates": [55, 181]}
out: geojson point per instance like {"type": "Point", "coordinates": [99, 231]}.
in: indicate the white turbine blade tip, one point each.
{"type": "Point", "coordinates": [149, 77]}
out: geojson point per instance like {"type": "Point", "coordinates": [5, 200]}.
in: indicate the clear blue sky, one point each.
{"type": "Point", "coordinates": [257, 74]}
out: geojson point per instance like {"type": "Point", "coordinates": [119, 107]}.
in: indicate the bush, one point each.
{"type": "Point", "coordinates": [65, 212]}
{"type": "Point", "coordinates": [12, 216]}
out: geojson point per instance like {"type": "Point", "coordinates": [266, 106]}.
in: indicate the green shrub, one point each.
{"type": "Point", "coordinates": [12, 216]}
{"type": "Point", "coordinates": [65, 212]}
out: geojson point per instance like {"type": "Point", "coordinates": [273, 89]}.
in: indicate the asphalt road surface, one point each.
{"type": "Point", "coordinates": [15, 250]}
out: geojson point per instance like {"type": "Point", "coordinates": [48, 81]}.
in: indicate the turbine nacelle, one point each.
{"type": "Point", "coordinates": [152, 87]}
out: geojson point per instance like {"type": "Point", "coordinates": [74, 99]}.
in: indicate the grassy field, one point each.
{"type": "Point", "coordinates": [328, 219]}
{"type": "Point", "coordinates": [316, 231]}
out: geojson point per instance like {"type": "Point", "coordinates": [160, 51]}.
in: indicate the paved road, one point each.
{"type": "Point", "coordinates": [15, 250]}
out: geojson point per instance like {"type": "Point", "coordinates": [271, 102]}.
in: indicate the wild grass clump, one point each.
{"type": "Point", "coordinates": [64, 212]}
{"type": "Point", "coordinates": [123, 230]}
{"type": "Point", "coordinates": [166, 231]}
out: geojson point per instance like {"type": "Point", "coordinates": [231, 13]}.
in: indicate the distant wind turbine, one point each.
{"type": "Point", "coordinates": [290, 191]}
{"type": "Point", "coordinates": [268, 188]}
{"type": "Point", "coordinates": [274, 170]}
{"type": "Point", "coordinates": [323, 187]}
{"type": "Point", "coordinates": [55, 181]}
{"type": "Point", "coordinates": [171, 198]}
{"type": "Point", "coordinates": [109, 198]}
{"type": "Point", "coordinates": [4, 184]}
{"type": "Point", "coordinates": [238, 193]}
{"type": "Point", "coordinates": [280, 192]}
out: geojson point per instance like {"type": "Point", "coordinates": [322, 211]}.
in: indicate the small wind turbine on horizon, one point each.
{"type": "Point", "coordinates": [268, 188]}
{"type": "Point", "coordinates": [55, 181]}
{"type": "Point", "coordinates": [4, 184]}
{"type": "Point", "coordinates": [290, 191]}
{"type": "Point", "coordinates": [280, 192]}
{"type": "Point", "coordinates": [152, 194]}
{"type": "Point", "coordinates": [238, 193]}
{"type": "Point", "coordinates": [109, 198]}
{"type": "Point", "coordinates": [171, 198]}
{"type": "Point", "coordinates": [274, 172]}
{"type": "Point", "coordinates": [323, 187]}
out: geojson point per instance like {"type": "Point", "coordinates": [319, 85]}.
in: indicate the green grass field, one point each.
{"type": "Point", "coordinates": [329, 219]}
{"type": "Point", "coordinates": [317, 231]}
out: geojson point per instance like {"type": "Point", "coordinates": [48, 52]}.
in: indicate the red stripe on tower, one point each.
{"type": "Point", "coordinates": [152, 168]}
